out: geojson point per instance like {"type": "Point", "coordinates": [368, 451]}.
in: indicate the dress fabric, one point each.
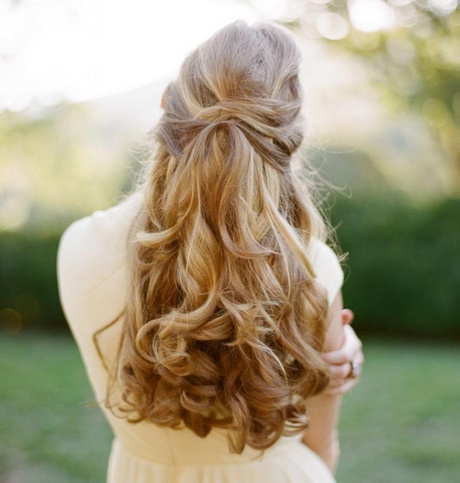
{"type": "Point", "coordinates": [93, 283]}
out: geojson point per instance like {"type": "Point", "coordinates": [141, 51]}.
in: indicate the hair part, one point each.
{"type": "Point", "coordinates": [224, 319]}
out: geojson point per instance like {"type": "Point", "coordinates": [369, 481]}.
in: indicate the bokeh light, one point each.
{"type": "Point", "coordinates": [443, 7]}
{"type": "Point", "coordinates": [371, 15]}
{"type": "Point", "coordinates": [332, 26]}
{"type": "Point", "coordinates": [10, 321]}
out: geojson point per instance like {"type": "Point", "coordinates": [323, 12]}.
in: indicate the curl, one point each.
{"type": "Point", "coordinates": [225, 320]}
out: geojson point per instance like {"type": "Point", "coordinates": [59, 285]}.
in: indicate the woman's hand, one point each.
{"type": "Point", "coordinates": [341, 361]}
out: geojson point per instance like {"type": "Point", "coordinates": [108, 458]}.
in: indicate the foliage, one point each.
{"type": "Point", "coordinates": [412, 48]}
{"type": "Point", "coordinates": [47, 159]}
{"type": "Point", "coordinates": [29, 297]}
{"type": "Point", "coordinates": [402, 273]}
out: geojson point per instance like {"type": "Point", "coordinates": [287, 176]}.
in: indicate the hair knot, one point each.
{"type": "Point", "coordinates": [221, 111]}
{"type": "Point", "coordinates": [275, 120]}
{"type": "Point", "coordinates": [224, 320]}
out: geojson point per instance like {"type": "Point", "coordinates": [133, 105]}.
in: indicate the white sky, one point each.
{"type": "Point", "coordinates": [78, 50]}
{"type": "Point", "coordinates": [83, 49]}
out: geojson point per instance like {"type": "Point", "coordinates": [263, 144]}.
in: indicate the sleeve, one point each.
{"type": "Point", "coordinates": [91, 252]}
{"type": "Point", "coordinates": [327, 267]}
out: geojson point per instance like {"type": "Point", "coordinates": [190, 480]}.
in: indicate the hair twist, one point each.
{"type": "Point", "coordinates": [224, 319]}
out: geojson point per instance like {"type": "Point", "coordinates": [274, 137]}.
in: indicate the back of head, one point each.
{"type": "Point", "coordinates": [245, 77]}
{"type": "Point", "coordinates": [225, 320]}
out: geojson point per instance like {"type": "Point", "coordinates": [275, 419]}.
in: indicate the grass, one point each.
{"type": "Point", "coordinates": [401, 424]}
{"type": "Point", "coordinates": [53, 431]}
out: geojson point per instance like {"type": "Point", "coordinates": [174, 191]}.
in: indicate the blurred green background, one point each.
{"type": "Point", "coordinates": [382, 89]}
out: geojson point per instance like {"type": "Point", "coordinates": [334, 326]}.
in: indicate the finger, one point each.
{"type": "Point", "coordinates": [337, 357]}
{"type": "Point", "coordinates": [347, 316]}
{"type": "Point", "coordinates": [341, 389]}
{"type": "Point", "coordinates": [340, 374]}
{"type": "Point", "coordinates": [341, 371]}
{"type": "Point", "coordinates": [341, 385]}
{"type": "Point", "coordinates": [335, 383]}
{"type": "Point", "coordinates": [350, 349]}
{"type": "Point", "coordinates": [344, 355]}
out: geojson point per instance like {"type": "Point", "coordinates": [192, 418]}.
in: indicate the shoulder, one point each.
{"type": "Point", "coordinates": [327, 267]}
{"type": "Point", "coordinates": [100, 236]}
{"type": "Point", "coordinates": [92, 249]}
{"type": "Point", "coordinates": [104, 227]}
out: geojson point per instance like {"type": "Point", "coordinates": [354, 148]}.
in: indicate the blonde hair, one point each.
{"type": "Point", "coordinates": [224, 320]}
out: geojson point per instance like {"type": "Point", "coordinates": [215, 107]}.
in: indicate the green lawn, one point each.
{"type": "Point", "coordinates": [402, 424]}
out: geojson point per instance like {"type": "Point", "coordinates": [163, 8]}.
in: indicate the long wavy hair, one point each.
{"type": "Point", "coordinates": [224, 320]}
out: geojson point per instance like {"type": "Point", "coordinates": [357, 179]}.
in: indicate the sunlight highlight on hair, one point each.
{"type": "Point", "coordinates": [224, 320]}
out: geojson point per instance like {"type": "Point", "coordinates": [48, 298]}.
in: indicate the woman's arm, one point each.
{"type": "Point", "coordinates": [323, 409]}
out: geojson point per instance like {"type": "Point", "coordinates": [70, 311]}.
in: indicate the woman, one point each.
{"type": "Point", "coordinates": [206, 306]}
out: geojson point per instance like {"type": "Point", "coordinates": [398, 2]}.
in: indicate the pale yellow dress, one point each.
{"type": "Point", "coordinates": [92, 272]}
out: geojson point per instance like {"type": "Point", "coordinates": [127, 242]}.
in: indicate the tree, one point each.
{"type": "Point", "coordinates": [413, 47]}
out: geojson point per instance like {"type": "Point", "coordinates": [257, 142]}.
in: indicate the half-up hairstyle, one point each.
{"type": "Point", "coordinates": [224, 321]}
